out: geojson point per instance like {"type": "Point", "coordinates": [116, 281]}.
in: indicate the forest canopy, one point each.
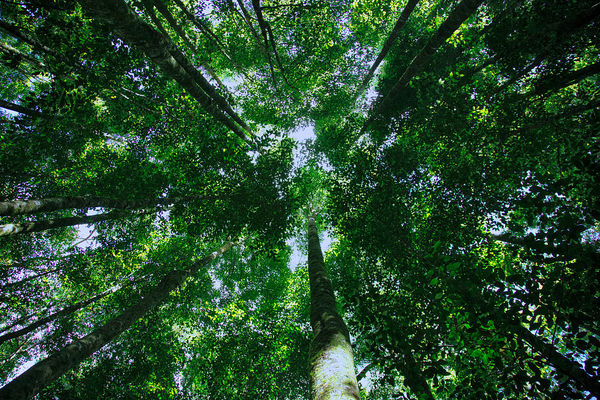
{"type": "Point", "coordinates": [169, 171]}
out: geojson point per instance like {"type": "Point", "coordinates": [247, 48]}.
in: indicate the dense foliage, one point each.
{"type": "Point", "coordinates": [459, 186]}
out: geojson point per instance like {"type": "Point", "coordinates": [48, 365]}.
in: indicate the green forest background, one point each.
{"type": "Point", "coordinates": [454, 165]}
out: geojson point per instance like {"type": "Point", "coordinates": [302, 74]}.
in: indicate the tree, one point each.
{"type": "Point", "coordinates": [460, 195]}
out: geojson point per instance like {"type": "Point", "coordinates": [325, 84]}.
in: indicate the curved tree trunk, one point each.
{"type": "Point", "coordinates": [46, 371]}
{"type": "Point", "coordinates": [331, 361]}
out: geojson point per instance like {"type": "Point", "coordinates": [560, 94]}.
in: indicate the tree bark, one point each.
{"type": "Point", "coordinates": [43, 321]}
{"type": "Point", "coordinates": [161, 50]}
{"type": "Point", "coordinates": [463, 11]}
{"type": "Point", "coordinates": [29, 227]}
{"type": "Point", "coordinates": [46, 371]}
{"type": "Point", "coordinates": [388, 44]}
{"type": "Point", "coordinates": [20, 109]}
{"type": "Point", "coordinates": [23, 207]}
{"type": "Point", "coordinates": [331, 360]}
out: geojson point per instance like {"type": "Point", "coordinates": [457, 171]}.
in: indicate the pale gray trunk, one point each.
{"type": "Point", "coordinates": [22, 207]}
{"type": "Point", "coordinates": [30, 227]}
{"type": "Point", "coordinates": [331, 361]}
{"type": "Point", "coordinates": [45, 372]}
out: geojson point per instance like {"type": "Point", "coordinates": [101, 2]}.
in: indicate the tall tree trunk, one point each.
{"type": "Point", "coordinates": [475, 302]}
{"type": "Point", "coordinates": [331, 360]}
{"type": "Point", "coordinates": [20, 109]}
{"type": "Point", "coordinates": [46, 371]}
{"type": "Point", "coordinates": [161, 50]}
{"type": "Point", "coordinates": [164, 10]}
{"type": "Point", "coordinates": [562, 363]}
{"type": "Point", "coordinates": [208, 32]}
{"type": "Point", "coordinates": [29, 227]}
{"type": "Point", "coordinates": [408, 9]}
{"type": "Point", "coordinates": [16, 32]}
{"type": "Point", "coordinates": [464, 9]}
{"type": "Point", "coordinates": [67, 310]}
{"type": "Point", "coordinates": [22, 207]}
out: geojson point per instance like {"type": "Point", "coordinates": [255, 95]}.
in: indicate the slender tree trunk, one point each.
{"type": "Point", "coordinates": [331, 360]}
{"type": "Point", "coordinates": [164, 10]}
{"type": "Point", "coordinates": [19, 56]}
{"type": "Point", "coordinates": [29, 227]}
{"type": "Point", "coordinates": [564, 80]}
{"type": "Point", "coordinates": [475, 301]}
{"type": "Point", "coordinates": [22, 207]}
{"type": "Point", "coordinates": [563, 364]}
{"type": "Point", "coordinates": [20, 109]}
{"type": "Point", "coordinates": [161, 50]}
{"type": "Point", "coordinates": [388, 44]}
{"type": "Point", "coordinates": [43, 321]}
{"type": "Point", "coordinates": [16, 32]}
{"type": "Point", "coordinates": [463, 11]}
{"type": "Point", "coordinates": [45, 372]}
{"type": "Point", "coordinates": [208, 32]}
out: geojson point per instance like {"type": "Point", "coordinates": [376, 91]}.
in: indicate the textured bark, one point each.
{"type": "Point", "coordinates": [19, 109]}
{"type": "Point", "coordinates": [29, 227]}
{"type": "Point", "coordinates": [331, 360]}
{"type": "Point", "coordinates": [22, 207]}
{"type": "Point", "coordinates": [43, 321]}
{"type": "Point", "coordinates": [161, 50]}
{"type": "Point", "coordinates": [464, 9]}
{"type": "Point", "coordinates": [388, 43]}
{"type": "Point", "coordinates": [46, 371]}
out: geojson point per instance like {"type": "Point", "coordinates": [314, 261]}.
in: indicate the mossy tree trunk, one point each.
{"type": "Point", "coordinates": [331, 360]}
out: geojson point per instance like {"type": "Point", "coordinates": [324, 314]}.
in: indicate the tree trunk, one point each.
{"type": "Point", "coordinates": [388, 44]}
{"type": "Point", "coordinates": [331, 360]}
{"type": "Point", "coordinates": [208, 32]}
{"type": "Point", "coordinates": [20, 109]}
{"type": "Point", "coordinates": [29, 227]}
{"type": "Point", "coordinates": [46, 371]}
{"type": "Point", "coordinates": [23, 207]}
{"type": "Point", "coordinates": [563, 364]}
{"type": "Point", "coordinates": [15, 32]}
{"type": "Point", "coordinates": [448, 27]}
{"type": "Point", "coordinates": [161, 50]}
{"type": "Point", "coordinates": [43, 321]}
{"type": "Point", "coordinates": [476, 301]}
